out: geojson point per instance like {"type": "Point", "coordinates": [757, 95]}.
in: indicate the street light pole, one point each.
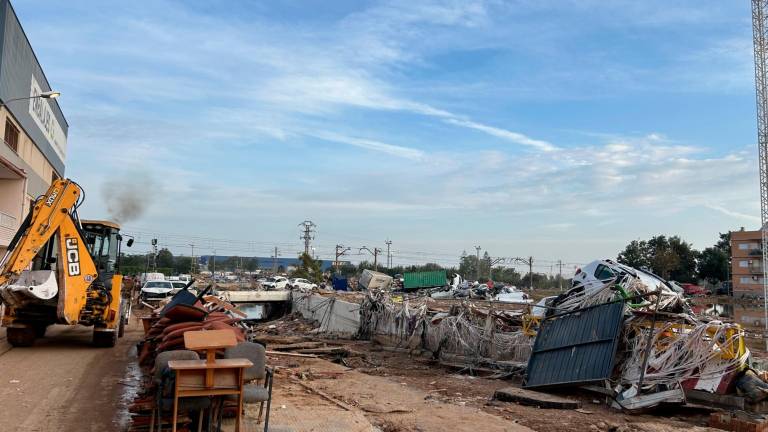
{"type": "Point", "coordinates": [44, 95]}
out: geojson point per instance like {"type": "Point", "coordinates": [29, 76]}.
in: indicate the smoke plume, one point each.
{"type": "Point", "coordinates": [127, 198]}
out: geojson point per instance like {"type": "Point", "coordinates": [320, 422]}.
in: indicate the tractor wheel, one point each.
{"type": "Point", "coordinates": [104, 339]}
{"type": "Point", "coordinates": [21, 336]}
{"type": "Point", "coordinates": [121, 327]}
{"type": "Point", "coordinates": [40, 330]}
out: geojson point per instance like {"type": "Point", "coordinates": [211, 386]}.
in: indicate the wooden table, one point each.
{"type": "Point", "coordinates": [203, 378]}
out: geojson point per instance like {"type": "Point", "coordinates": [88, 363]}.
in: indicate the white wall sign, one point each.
{"type": "Point", "coordinates": [41, 112]}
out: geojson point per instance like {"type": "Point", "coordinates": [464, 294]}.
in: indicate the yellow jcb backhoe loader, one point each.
{"type": "Point", "coordinates": [59, 270]}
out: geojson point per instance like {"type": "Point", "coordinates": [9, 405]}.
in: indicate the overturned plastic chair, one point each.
{"type": "Point", "coordinates": [254, 392]}
{"type": "Point", "coordinates": [162, 376]}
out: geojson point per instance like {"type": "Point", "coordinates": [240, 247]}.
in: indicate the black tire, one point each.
{"type": "Point", "coordinates": [121, 327]}
{"type": "Point", "coordinates": [21, 336]}
{"type": "Point", "coordinates": [104, 339]}
{"type": "Point", "coordinates": [40, 330]}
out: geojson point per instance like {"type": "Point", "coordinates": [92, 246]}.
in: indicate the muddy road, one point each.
{"type": "Point", "coordinates": [63, 383]}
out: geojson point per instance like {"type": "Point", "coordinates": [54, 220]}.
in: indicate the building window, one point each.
{"type": "Point", "coordinates": [748, 246]}
{"type": "Point", "coordinates": [743, 264]}
{"type": "Point", "coordinates": [754, 280]}
{"type": "Point", "coordinates": [11, 136]}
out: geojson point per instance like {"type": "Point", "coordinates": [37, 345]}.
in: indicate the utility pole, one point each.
{"type": "Point", "coordinates": [274, 262]}
{"type": "Point", "coordinates": [308, 229]}
{"type": "Point", "coordinates": [529, 263]}
{"type": "Point", "coordinates": [389, 254]}
{"type": "Point", "coordinates": [192, 263]}
{"type": "Point", "coordinates": [560, 281]}
{"type": "Point", "coordinates": [375, 252]}
{"type": "Point", "coordinates": [340, 250]}
{"type": "Point", "coordinates": [213, 263]}
{"type": "Point", "coordinates": [530, 270]}
{"type": "Point", "coordinates": [477, 273]}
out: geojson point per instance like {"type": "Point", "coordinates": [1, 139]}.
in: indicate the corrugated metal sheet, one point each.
{"type": "Point", "coordinates": [425, 279]}
{"type": "Point", "coordinates": [576, 348]}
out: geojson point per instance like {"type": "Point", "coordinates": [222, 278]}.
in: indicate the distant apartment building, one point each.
{"type": "Point", "coordinates": [747, 263]}
{"type": "Point", "coordinates": [34, 129]}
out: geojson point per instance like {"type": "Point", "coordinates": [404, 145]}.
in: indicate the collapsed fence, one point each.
{"type": "Point", "coordinates": [462, 331]}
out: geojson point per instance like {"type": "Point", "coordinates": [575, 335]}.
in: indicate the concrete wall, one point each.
{"type": "Point", "coordinates": [335, 316]}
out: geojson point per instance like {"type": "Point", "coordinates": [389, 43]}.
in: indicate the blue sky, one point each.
{"type": "Point", "coordinates": [558, 129]}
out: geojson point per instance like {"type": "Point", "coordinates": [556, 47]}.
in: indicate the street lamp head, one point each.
{"type": "Point", "coordinates": [50, 94]}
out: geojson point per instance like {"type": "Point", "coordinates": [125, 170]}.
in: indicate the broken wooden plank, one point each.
{"type": "Point", "coordinates": [324, 395]}
{"type": "Point", "coordinates": [325, 350]}
{"type": "Point", "coordinates": [290, 354]}
{"type": "Point", "coordinates": [270, 340]}
{"type": "Point", "coordinates": [297, 346]}
{"type": "Point", "coordinates": [469, 367]}
{"type": "Point", "coordinates": [534, 398]}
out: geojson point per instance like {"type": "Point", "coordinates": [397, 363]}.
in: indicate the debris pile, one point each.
{"type": "Point", "coordinates": [653, 352]}
{"type": "Point", "coordinates": [164, 331]}
{"type": "Point", "coordinates": [465, 334]}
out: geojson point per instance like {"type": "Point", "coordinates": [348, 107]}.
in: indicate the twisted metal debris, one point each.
{"type": "Point", "coordinates": [459, 332]}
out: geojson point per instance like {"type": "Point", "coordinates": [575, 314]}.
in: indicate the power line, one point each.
{"type": "Point", "coordinates": [375, 252]}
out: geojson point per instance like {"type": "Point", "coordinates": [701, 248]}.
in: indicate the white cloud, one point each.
{"type": "Point", "coordinates": [734, 214]}
{"type": "Point", "coordinates": [505, 134]}
{"type": "Point", "coordinates": [176, 91]}
{"type": "Point", "coordinates": [394, 150]}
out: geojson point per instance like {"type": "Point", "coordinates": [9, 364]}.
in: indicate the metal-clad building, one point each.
{"type": "Point", "coordinates": [33, 129]}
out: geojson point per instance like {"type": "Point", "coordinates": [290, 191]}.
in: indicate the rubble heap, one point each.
{"type": "Point", "coordinates": [475, 335]}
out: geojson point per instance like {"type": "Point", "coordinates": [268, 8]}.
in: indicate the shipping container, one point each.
{"type": "Point", "coordinates": [374, 280]}
{"type": "Point", "coordinates": [427, 279]}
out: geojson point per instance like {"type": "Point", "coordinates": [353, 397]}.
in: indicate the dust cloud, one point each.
{"type": "Point", "coordinates": [127, 198]}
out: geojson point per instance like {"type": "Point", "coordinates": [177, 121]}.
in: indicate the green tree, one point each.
{"type": "Point", "coordinates": [508, 275]}
{"type": "Point", "coordinates": [713, 265]}
{"type": "Point", "coordinates": [309, 269]}
{"type": "Point", "coordinates": [670, 258]}
{"type": "Point", "coordinates": [687, 258]}
{"type": "Point", "coordinates": [724, 243]}
{"type": "Point", "coordinates": [637, 254]}
{"type": "Point", "coordinates": [182, 264]}
{"type": "Point", "coordinates": [468, 265]}
{"type": "Point", "coordinates": [164, 258]}
{"type": "Point", "coordinates": [251, 264]}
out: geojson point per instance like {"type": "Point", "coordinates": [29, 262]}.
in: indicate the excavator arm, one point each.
{"type": "Point", "coordinates": [53, 213]}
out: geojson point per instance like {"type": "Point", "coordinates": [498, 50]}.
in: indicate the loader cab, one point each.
{"type": "Point", "coordinates": [103, 239]}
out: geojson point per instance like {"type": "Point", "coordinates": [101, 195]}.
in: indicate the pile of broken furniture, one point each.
{"type": "Point", "coordinates": [173, 335]}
